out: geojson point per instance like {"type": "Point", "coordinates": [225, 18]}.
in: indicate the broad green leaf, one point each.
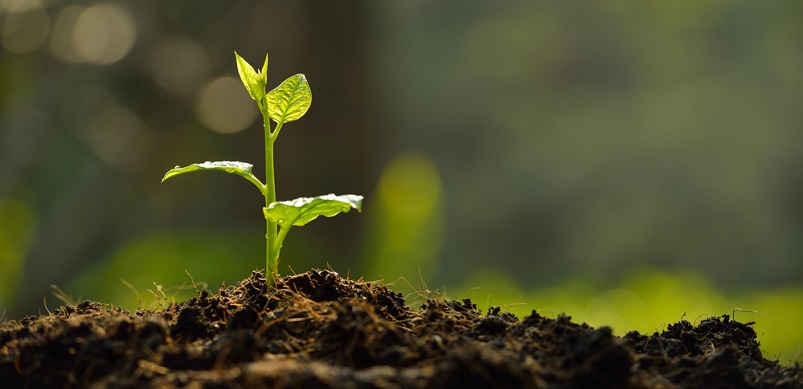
{"type": "Point", "coordinates": [241, 169]}
{"type": "Point", "coordinates": [303, 210]}
{"type": "Point", "coordinates": [290, 100]}
{"type": "Point", "coordinates": [251, 80]}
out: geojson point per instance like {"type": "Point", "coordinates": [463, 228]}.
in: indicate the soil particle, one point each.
{"type": "Point", "coordinates": [319, 330]}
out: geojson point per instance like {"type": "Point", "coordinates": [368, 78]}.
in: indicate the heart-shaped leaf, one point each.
{"type": "Point", "coordinates": [253, 82]}
{"type": "Point", "coordinates": [303, 210]}
{"type": "Point", "coordinates": [290, 100]}
{"type": "Point", "coordinates": [241, 169]}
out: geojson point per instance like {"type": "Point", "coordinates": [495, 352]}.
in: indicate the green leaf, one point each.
{"type": "Point", "coordinates": [241, 169]}
{"type": "Point", "coordinates": [290, 100]}
{"type": "Point", "coordinates": [251, 80]}
{"type": "Point", "coordinates": [263, 74]}
{"type": "Point", "coordinates": [303, 210]}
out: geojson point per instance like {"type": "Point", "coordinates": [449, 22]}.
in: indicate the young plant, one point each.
{"type": "Point", "coordinates": [286, 103]}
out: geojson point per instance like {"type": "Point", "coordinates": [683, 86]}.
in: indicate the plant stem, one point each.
{"type": "Point", "coordinates": [271, 254]}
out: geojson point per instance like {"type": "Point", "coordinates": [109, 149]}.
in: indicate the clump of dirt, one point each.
{"type": "Point", "coordinates": [318, 329]}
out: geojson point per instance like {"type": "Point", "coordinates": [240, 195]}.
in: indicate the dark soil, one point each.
{"type": "Point", "coordinates": [319, 330]}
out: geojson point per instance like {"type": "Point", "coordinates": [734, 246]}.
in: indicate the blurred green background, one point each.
{"type": "Point", "coordinates": [627, 163]}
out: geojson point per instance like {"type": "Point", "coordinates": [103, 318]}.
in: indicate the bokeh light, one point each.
{"type": "Point", "coordinates": [25, 29]}
{"type": "Point", "coordinates": [407, 225]}
{"type": "Point", "coordinates": [223, 106]}
{"type": "Point", "coordinates": [179, 65]}
{"type": "Point", "coordinates": [99, 34]}
{"type": "Point", "coordinates": [19, 5]}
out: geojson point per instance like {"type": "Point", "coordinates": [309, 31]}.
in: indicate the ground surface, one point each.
{"type": "Point", "coordinates": [320, 330]}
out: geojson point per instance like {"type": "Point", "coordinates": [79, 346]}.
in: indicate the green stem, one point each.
{"type": "Point", "coordinates": [282, 234]}
{"type": "Point", "coordinates": [272, 255]}
{"type": "Point", "coordinates": [275, 133]}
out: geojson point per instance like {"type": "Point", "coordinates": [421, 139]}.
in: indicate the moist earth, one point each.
{"type": "Point", "coordinates": [319, 330]}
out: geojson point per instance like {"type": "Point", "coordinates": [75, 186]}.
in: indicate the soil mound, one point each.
{"type": "Point", "coordinates": [319, 330]}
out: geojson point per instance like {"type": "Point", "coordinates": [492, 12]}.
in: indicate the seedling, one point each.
{"type": "Point", "coordinates": [286, 103]}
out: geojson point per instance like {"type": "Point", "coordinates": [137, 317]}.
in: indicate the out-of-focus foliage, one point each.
{"type": "Point", "coordinates": [648, 300]}
{"type": "Point", "coordinates": [607, 135]}
{"type": "Point", "coordinates": [16, 231]}
{"type": "Point", "coordinates": [405, 229]}
{"type": "Point", "coordinates": [171, 259]}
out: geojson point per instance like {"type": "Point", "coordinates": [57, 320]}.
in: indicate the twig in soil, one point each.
{"type": "Point", "coordinates": [269, 324]}
{"type": "Point", "coordinates": [703, 315]}
{"type": "Point", "coordinates": [423, 291]}
{"type": "Point", "coordinates": [164, 297]}
{"type": "Point", "coordinates": [471, 290]}
{"type": "Point", "coordinates": [63, 296]}
{"type": "Point", "coordinates": [509, 307]}
{"type": "Point", "coordinates": [194, 284]}
{"type": "Point", "coordinates": [329, 267]}
{"type": "Point", "coordinates": [152, 367]}
{"type": "Point", "coordinates": [136, 292]}
{"type": "Point", "coordinates": [542, 311]}
{"type": "Point", "coordinates": [733, 314]}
